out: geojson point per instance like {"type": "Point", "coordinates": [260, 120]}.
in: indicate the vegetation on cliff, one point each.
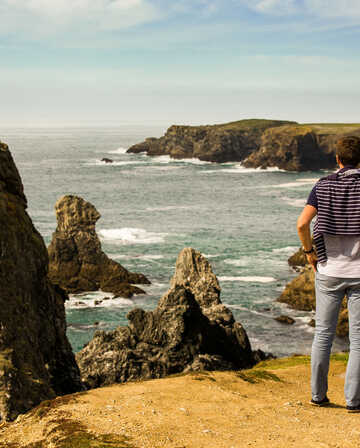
{"type": "Point", "coordinates": [256, 143]}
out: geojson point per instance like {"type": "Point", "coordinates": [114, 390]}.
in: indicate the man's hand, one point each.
{"type": "Point", "coordinates": [312, 259]}
{"type": "Point", "coordinates": [303, 227]}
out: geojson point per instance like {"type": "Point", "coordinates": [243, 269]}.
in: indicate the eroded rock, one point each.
{"type": "Point", "coordinates": [230, 142]}
{"type": "Point", "coordinates": [300, 295]}
{"type": "Point", "coordinates": [76, 260]}
{"type": "Point", "coordinates": [36, 359]}
{"type": "Point", "coordinates": [189, 330]}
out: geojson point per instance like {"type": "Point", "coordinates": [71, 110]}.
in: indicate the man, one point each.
{"type": "Point", "coordinates": [335, 200]}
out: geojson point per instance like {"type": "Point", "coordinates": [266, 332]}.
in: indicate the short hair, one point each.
{"type": "Point", "coordinates": [348, 150]}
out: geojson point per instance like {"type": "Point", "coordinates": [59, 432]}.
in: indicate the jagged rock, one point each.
{"type": "Point", "coordinates": [189, 330]}
{"type": "Point", "coordinates": [76, 261]}
{"type": "Point", "coordinates": [285, 320]}
{"type": "Point", "coordinates": [299, 147]}
{"type": "Point", "coordinates": [107, 160]}
{"type": "Point", "coordinates": [293, 148]}
{"type": "Point", "coordinates": [298, 259]}
{"type": "Point", "coordinates": [300, 295]}
{"type": "Point", "coordinates": [230, 142]}
{"type": "Point", "coordinates": [36, 359]}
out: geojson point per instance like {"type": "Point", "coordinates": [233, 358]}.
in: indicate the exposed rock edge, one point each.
{"type": "Point", "coordinates": [189, 330]}
{"type": "Point", "coordinates": [36, 359]}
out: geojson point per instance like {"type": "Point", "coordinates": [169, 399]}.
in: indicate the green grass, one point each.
{"type": "Point", "coordinates": [256, 376]}
{"type": "Point", "coordinates": [296, 360]}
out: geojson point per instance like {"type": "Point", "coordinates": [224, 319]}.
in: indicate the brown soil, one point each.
{"type": "Point", "coordinates": [267, 406]}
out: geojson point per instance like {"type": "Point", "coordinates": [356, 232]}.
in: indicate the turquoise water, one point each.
{"type": "Point", "coordinates": [243, 220]}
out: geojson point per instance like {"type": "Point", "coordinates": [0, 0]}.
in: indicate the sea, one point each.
{"type": "Point", "coordinates": [242, 220]}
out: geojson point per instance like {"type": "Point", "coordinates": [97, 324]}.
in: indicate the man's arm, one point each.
{"type": "Point", "coordinates": [303, 228]}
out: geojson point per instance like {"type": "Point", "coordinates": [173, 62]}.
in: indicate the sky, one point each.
{"type": "Point", "coordinates": [108, 62]}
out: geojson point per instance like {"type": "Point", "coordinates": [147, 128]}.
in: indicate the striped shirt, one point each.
{"type": "Point", "coordinates": [337, 200]}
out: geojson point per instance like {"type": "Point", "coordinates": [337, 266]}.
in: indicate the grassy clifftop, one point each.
{"type": "Point", "coordinates": [267, 406]}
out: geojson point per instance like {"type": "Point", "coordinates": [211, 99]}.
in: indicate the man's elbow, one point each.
{"type": "Point", "coordinates": [302, 225]}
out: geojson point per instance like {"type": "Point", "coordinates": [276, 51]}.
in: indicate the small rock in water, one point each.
{"type": "Point", "coordinates": [96, 323]}
{"type": "Point", "coordinates": [285, 320]}
{"type": "Point", "coordinates": [106, 160]}
{"type": "Point", "coordinates": [97, 302]}
{"type": "Point", "coordinates": [79, 303]}
{"type": "Point", "coordinates": [107, 298]}
{"type": "Point", "coordinates": [311, 323]}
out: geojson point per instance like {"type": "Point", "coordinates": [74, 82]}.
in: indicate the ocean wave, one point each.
{"type": "Point", "coordinates": [295, 202]}
{"type": "Point", "coordinates": [297, 183]}
{"type": "Point", "coordinates": [169, 207]}
{"type": "Point", "coordinates": [251, 279]}
{"type": "Point", "coordinates": [168, 159]}
{"type": "Point", "coordinates": [128, 235]}
{"type": "Point", "coordinates": [118, 151]}
{"type": "Point", "coordinates": [98, 162]}
{"type": "Point", "coordinates": [97, 299]}
{"type": "Point", "coordinates": [240, 169]}
{"type": "Point", "coordinates": [242, 262]}
{"type": "Point", "coordinates": [147, 257]}
{"type": "Point", "coordinates": [286, 250]}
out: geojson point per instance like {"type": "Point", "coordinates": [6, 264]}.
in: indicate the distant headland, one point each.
{"type": "Point", "coordinates": [256, 143]}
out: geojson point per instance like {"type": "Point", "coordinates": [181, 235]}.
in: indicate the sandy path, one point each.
{"type": "Point", "coordinates": [265, 407]}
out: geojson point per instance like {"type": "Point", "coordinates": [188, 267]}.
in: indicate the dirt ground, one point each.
{"type": "Point", "coordinates": [267, 406]}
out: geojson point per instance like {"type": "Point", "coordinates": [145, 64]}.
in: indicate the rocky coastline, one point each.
{"type": "Point", "coordinates": [190, 330]}
{"type": "Point", "coordinates": [299, 294]}
{"type": "Point", "coordinates": [255, 143]}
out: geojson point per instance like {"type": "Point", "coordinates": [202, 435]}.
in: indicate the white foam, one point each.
{"type": "Point", "coordinates": [128, 235]}
{"type": "Point", "coordinates": [148, 257]}
{"type": "Point", "coordinates": [295, 202]}
{"type": "Point", "coordinates": [297, 183]}
{"type": "Point", "coordinates": [118, 151]}
{"type": "Point", "coordinates": [169, 207]}
{"type": "Point", "coordinates": [168, 159]}
{"type": "Point", "coordinates": [286, 250]}
{"type": "Point", "coordinates": [240, 263]}
{"type": "Point", "coordinates": [99, 162]}
{"type": "Point", "coordinates": [240, 169]}
{"type": "Point", "coordinates": [253, 279]}
{"type": "Point", "coordinates": [96, 299]}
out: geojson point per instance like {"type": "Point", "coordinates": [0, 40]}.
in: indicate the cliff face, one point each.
{"type": "Point", "coordinates": [257, 143]}
{"type": "Point", "coordinates": [293, 148]}
{"type": "Point", "coordinates": [189, 330]}
{"type": "Point", "coordinates": [76, 261]}
{"type": "Point", "coordinates": [230, 142]}
{"type": "Point", "coordinates": [36, 360]}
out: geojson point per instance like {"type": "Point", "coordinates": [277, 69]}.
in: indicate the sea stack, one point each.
{"type": "Point", "coordinates": [189, 330]}
{"type": "Point", "coordinates": [77, 262]}
{"type": "Point", "coordinates": [36, 359]}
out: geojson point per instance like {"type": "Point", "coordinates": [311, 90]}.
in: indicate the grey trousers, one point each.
{"type": "Point", "coordinates": [329, 294]}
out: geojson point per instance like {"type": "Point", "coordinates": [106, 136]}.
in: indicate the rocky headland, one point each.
{"type": "Point", "coordinates": [300, 292]}
{"type": "Point", "coordinates": [190, 330]}
{"type": "Point", "coordinates": [256, 143]}
{"type": "Point", "coordinates": [76, 260]}
{"type": "Point", "coordinates": [36, 359]}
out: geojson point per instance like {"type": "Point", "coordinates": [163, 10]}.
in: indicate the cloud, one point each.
{"type": "Point", "coordinates": [327, 9]}
{"type": "Point", "coordinates": [50, 17]}
{"type": "Point", "coordinates": [273, 7]}
{"type": "Point", "coordinates": [334, 9]}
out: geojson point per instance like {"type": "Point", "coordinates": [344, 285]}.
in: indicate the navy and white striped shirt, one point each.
{"type": "Point", "coordinates": [337, 200]}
